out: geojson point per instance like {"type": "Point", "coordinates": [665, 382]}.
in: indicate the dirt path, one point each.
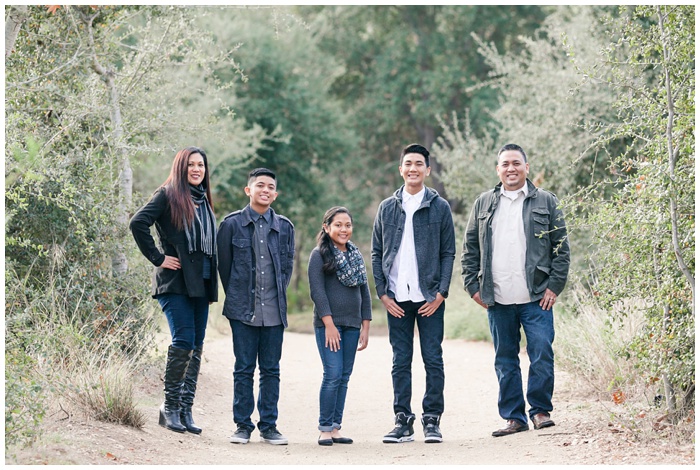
{"type": "Point", "coordinates": [471, 414]}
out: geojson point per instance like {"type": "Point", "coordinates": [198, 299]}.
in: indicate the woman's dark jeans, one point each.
{"type": "Point", "coordinates": [337, 367]}
{"type": "Point", "coordinates": [538, 325]}
{"type": "Point", "coordinates": [187, 319]}
{"type": "Point", "coordinates": [430, 331]}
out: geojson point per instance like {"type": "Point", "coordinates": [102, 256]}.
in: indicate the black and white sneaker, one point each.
{"type": "Point", "coordinates": [241, 436]}
{"type": "Point", "coordinates": [431, 429]}
{"type": "Point", "coordinates": [403, 432]}
{"type": "Point", "coordinates": [273, 436]}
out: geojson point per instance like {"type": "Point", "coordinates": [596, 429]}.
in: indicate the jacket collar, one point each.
{"type": "Point", "coordinates": [430, 194]}
{"type": "Point", "coordinates": [247, 218]}
{"type": "Point", "coordinates": [531, 189]}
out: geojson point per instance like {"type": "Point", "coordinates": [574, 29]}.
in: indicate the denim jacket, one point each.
{"type": "Point", "coordinates": [237, 262]}
{"type": "Point", "coordinates": [434, 236]}
{"type": "Point", "coordinates": [547, 257]}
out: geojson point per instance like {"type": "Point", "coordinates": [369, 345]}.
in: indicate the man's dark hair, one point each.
{"type": "Point", "coordinates": [261, 172]}
{"type": "Point", "coordinates": [515, 147]}
{"type": "Point", "coordinates": [415, 148]}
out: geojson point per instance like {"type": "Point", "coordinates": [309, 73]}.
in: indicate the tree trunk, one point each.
{"type": "Point", "coordinates": [672, 156]}
{"type": "Point", "coordinates": [18, 14]}
{"type": "Point", "coordinates": [120, 263]}
{"type": "Point", "coordinates": [669, 392]}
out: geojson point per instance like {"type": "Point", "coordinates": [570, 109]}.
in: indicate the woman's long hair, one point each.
{"type": "Point", "coordinates": [324, 241]}
{"type": "Point", "coordinates": [178, 188]}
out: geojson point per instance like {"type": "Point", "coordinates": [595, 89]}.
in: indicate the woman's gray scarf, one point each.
{"type": "Point", "coordinates": [351, 271]}
{"type": "Point", "coordinates": [201, 235]}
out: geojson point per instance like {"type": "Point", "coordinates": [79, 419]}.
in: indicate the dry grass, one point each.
{"type": "Point", "coordinates": [591, 348]}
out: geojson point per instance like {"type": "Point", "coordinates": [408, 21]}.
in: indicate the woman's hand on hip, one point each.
{"type": "Point", "coordinates": [171, 262]}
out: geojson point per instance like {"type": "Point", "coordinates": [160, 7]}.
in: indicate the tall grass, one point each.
{"type": "Point", "coordinates": [592, 348]}
{"type": "Point", "coordinates": [72, 345]}
{"type": "Point", "coordinates": [589, 345]}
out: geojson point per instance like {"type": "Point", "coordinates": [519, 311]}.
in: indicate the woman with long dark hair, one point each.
{"type": "Point", "coordinates": [185, 279]}
{"type": "Point", "coordinates": [342, 313]}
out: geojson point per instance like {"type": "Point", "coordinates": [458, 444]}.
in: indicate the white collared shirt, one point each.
{"type": "Point", "coordinates": [509, 249]}
{"type": "Point", "coordinates": [403, 276]}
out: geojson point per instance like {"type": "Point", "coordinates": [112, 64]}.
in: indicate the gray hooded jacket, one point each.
{"type": "Point", "coordinates": [434, 236]}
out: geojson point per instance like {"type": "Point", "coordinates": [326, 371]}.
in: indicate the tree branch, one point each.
{"type": "Point", "coordinates": [672, 155]}
{"type": "Point", "coordinates": [18, 14]}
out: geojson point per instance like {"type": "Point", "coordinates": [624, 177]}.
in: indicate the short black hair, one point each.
{"type": "Point", "coordinates": [415, 148]}
{"type": "Point", "coordinates": [515, 147]}
{"type": "Point", "coordinates": [261, 172]}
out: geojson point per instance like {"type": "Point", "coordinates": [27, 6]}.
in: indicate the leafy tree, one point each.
{"type": "Point", "coordinates": [645, 232]}
{"type": "Point", "coordinates": [313, 151]}
{"type": "Point", "coordinates": [543, 106]}
{"type": "Point", "coordinates": [405, 64]}
{"type": "Point", "coordinates": [91, 92]}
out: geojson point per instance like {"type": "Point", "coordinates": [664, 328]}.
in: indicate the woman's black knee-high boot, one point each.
{"type": "Point", "coordinates": [189, 387]}
{"type": "Point", "coordinates": [175, 369]}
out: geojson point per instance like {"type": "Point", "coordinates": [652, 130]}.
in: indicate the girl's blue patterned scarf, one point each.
{"type": "Point", "coordinates": [351, 271]}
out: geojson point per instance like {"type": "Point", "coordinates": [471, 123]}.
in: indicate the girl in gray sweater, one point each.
{"type": "Point", "coordinates": [342, 312]}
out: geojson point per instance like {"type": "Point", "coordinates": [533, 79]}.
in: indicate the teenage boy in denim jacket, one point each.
{"type": "Point", "coordinates": [256, 254]}
{"type": "Point", "coordinates": [413, 251]}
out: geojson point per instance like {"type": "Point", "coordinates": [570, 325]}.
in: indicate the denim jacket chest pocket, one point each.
{"type": "Point", "coordinates": [242, 251]}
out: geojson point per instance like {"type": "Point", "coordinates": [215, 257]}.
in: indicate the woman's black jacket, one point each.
{"type": "Point", "coordinates": [188, 280]}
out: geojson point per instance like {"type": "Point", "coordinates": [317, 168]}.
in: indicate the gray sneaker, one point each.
{"type": "Point", "coordinates": [403, 432]}
{"type": "Point", "coordinates": [241, 436]}
{"type": "Point", "coordinates": [273, 436]}
{"type": "Point", "coordinates": [431, 429]}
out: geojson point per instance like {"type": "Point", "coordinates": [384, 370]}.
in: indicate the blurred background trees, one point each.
{"type": "Point", "coordinates": [98, 100]}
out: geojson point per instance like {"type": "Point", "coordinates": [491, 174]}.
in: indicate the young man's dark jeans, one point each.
{"type": "Point", "coordinates": [538, 325]}
{"type": "Point", "coordinates": [251, 345]}
{"type": "Point", "coordinates": [430, 330]}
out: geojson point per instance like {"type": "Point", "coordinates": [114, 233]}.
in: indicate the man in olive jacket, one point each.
{"type": "Point", "coordinates": [515, 262]}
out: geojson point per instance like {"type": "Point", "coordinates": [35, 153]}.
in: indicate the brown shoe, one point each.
{"type": "Point", "coordinates": [542, 420]}
{"type": "Point", "coordinates": [512, 426]}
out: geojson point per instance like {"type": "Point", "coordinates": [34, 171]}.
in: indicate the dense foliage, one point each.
{"type": "Point", "coordinates": [90, 91]}
{"type": "Point", "coordinates": [644, 233]}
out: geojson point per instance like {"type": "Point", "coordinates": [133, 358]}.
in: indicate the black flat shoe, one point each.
{"type": "Point", "coordinates": [325, 442]}
{"type": "Point", "coordinates": [342, 440]}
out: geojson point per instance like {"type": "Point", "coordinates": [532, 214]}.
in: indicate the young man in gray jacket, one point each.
{"type": "Point", "coordinates": [515, 262]}
{"type": "Point", "coordinates": [413, 250]}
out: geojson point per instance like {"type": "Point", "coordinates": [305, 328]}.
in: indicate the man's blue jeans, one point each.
{"type": "Point", "coordinates": [538, 325]}
{"type": "Point", "coordinates": [337, 367]}
{"type": "Point", "coordinates": [430, 331]}
{"type": "Point", "coordinates": [187, 319]}
{"type": "Point", "coordinates": [261, 344]}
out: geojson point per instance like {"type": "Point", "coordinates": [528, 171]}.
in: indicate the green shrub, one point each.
{"type": "Point", "coordinates": [25, 397]}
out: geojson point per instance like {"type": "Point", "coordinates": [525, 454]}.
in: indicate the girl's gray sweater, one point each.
{"type": "Point", "coordinates": [347, 305]}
